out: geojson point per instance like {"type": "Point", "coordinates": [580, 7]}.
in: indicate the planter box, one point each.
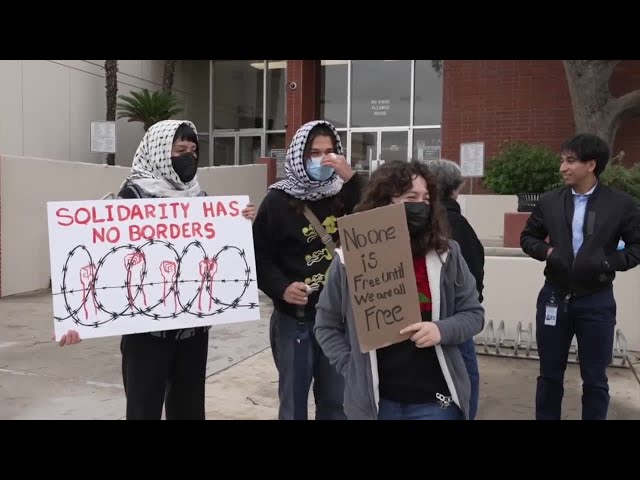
{"type": "Point", "coordinates": [513, 225]}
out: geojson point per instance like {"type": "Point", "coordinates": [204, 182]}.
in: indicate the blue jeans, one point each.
{"type": "Point", "coordinates": [468, 351]}
{"type": "Point", "coordinates": [299, 360]}
{"type": "Point", "coordinates": [592, 320]}
{"type": "Point", "coordinates": [390, 410]}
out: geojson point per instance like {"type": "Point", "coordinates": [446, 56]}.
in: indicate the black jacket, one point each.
{"type": "Point", "coordinates": [470, 246]}
{"type": "Point", "coordinates": [287, 247]}
{"type": "Point", "coordinates": [609, 216]}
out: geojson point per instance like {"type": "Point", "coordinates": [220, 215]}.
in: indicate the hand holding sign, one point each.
{"type": "Point", "coordinates": [249, 212]}
{"type": "Point", "coordinates": [427, 334]}
{"type": "Point", "coordinates": [69, 338]}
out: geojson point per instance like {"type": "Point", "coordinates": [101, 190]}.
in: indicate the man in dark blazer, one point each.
{"type": "Point", "coordinates": [576, 229]}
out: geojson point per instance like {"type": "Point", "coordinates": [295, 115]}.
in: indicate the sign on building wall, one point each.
{"type": "Point", "coordinates": [472, 159]}
{"type": "Point", "coordinates": [130, 266]}
{"type": "Point", "coordinates": [280, 155]}
{"type": "Point", "coordinates": [103, 137]}
{"type": "Point", "coordinates": [427, 153]}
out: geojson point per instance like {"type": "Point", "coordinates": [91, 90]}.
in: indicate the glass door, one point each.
{"type": "Point", "coordinates": [236, 148]}
{"type": "Point", "coordinates": [224, 151]}
{"type": "Point", "coordinates": [371, 148]}
{"type": "Point", "coordinates": [364, 150]}
{"type": "Point", "coordinates": [248, 149]}
{"type": "Point", "coordinates": [394, 145]}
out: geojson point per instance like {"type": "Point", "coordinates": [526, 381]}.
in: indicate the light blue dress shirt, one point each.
{"type": "Point", "coordinates": [579, 210]}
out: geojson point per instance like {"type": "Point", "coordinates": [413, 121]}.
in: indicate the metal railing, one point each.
{"type": "Point", "coordinates": [493, 342]}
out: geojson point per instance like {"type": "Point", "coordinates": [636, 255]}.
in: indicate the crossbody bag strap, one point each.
{"type": "Point", "coordinates": [322, 233]}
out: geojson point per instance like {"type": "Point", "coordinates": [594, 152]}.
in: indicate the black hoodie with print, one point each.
{"type": "Point", "coordinates": [287, 247]}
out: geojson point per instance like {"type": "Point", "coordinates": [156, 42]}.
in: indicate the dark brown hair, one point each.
{"type": "Point", "coordinates": [186, 133]}
{"type": "Point", "coordinates": [320, 130]}
{"type": "Point", "coordinates": [395, 178]}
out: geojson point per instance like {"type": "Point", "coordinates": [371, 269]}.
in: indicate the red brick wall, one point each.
{"type": "Point", "coordinates": [527, 100]}
{"type": "Point", "coordinates": [498, 100]}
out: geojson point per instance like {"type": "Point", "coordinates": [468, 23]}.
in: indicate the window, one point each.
{"type": "Point", "coordinates": [428, 94]}
{"type": "Point", "coordinates": [276, 96]}
{"type": "Point", "coordinates": [334, 80]}
{"type": "Point", "coordinates": [380, 93]}
{"type": "Point", "coordinates": [238, 94]}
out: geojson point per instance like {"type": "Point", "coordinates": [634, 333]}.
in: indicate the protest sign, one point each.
{"type": "Point", "coordinates": [140, 265]}
{"type": "Point", "coordinates": [381, 278]}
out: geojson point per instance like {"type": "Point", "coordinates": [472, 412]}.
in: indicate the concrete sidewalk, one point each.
{"type": "Point", "coordinates": [249, 391]}
{"type": "Point", "coordinates": [40, 380]}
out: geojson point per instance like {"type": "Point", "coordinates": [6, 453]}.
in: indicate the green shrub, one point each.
{"type": "Point", "coordinates": [622, 178]}
{"type": "Point", "coordinates": [523, 168]}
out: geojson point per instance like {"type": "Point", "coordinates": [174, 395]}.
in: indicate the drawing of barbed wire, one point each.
{"type": "Point", "coordinates": [141, 280]}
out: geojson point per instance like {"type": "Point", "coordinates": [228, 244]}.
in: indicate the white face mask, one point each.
{"type": "Point", "coordinates": [318, 172]}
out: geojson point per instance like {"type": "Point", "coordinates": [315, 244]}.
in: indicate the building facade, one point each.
{"type": "Point", "coordinates": [246, 109]}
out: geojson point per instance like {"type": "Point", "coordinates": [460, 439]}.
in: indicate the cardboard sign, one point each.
{"type": "Point", "coordinates": [381, 278]}
{"type": "Point", "coordinates": [141, 265]}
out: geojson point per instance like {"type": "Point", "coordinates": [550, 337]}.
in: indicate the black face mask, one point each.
{"type": "Point", "coordinates": [418, 217]}
{"type": "Point", "coordinates": [186, 166]}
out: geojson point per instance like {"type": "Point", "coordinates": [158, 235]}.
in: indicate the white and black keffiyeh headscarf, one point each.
{"type": "Point", "coordinates": [298, 184]}
{"type": "Point", "coordinates": [151, 169]}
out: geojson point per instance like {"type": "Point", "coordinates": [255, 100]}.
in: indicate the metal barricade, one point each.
{"type": "Point", "coordinates": [493, 342]}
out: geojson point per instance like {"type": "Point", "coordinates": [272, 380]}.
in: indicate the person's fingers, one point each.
{"type": "Point", "coordinates": [414, 327]}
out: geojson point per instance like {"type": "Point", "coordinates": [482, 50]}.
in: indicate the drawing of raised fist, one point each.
{"type": "Point", "coordinates": [208, 267]}
{"type": "Point", "coordinates": [168, 272]}
{"type": "Point", "coordinates": [87, 279]}
{"type": "Point", "coordinates": [135, 260]}
{"type": "Point", "coordinates": [87, 274]}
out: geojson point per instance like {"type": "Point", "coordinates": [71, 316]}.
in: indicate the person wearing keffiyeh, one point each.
{"type": "Point", "coordinates": [166, 366]}
{"type": "Point", "coordinates": [292, 263]}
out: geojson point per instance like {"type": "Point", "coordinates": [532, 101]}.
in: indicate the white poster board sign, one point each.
{"type": "Point", "coordinates": [472, 159]}
{"type": "Point", "coordinates": [141, 265]}
{"type": "Point", "coordinates": [103, 137]}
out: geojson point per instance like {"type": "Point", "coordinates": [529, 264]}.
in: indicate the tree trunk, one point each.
{"type": "Point", "coordinates": [595, 110]}
{"type": "Point", "coordinates": [168, 75]}
{"type": "Point", "coordinates": [111, 81]}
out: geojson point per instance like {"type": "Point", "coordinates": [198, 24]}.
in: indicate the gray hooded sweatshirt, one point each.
{"type": "Point", "coordinates": [456, 310]}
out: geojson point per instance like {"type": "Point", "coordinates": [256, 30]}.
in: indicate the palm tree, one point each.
{"type": "Point", "coordinates": [148, 107]}
{"type": "Point", "coordinates": [111, 85]}
{"type": "Point", "coordinates": [168, 75]}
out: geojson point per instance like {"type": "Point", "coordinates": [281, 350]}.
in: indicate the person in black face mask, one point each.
{"type": "Point", "coordinates": [186, 166]}
{"type": "Point", "coordinates": [424, 377]}
{"type": "Point", "coordinates": [418, 217]}
{"type": "Point", "coordinates": [165, 366]}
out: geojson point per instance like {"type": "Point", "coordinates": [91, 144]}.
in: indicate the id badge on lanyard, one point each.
{"type": "Point", "coordinates": [551, 312]}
